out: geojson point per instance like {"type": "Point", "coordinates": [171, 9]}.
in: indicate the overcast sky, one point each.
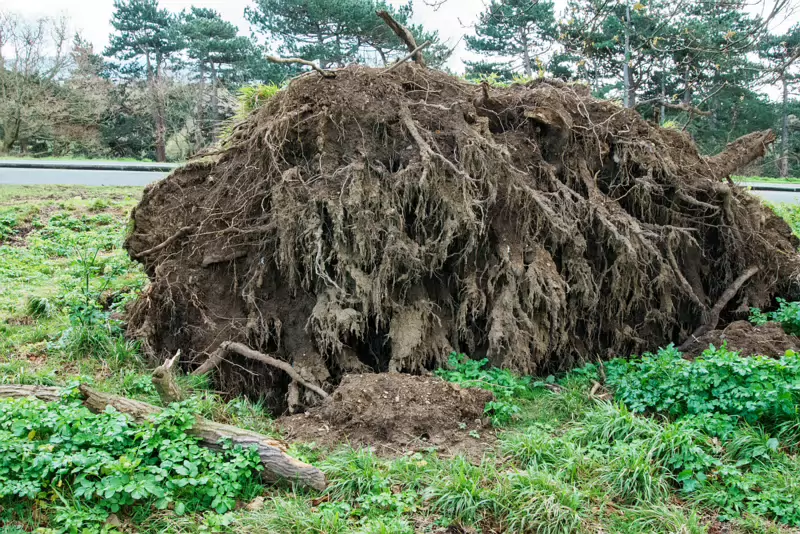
{"type": "Point", "coordinates": [91, 17]}
{"type": "Point", "coordinates": [452, 19]}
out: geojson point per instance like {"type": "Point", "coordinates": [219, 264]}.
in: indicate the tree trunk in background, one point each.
{"type": "Point", "coordinates": [687, 92]}
{"type": "Point", "coordinates": [630, 93]}
{"type": "Point", "coordinates": [214, 99]}
{"type": "Point", "coordinates": [11, 134]}
{"type": "Point", "coordinates": [526, 56]}
{"type": "Point", "coordinates": [160, 124]}
{"type": "Point", "coordinates": [783, 163]}
{"type": "Point", "coordinates": [199, 119]}
{"type": "Point", "coordinates": [157, 108]}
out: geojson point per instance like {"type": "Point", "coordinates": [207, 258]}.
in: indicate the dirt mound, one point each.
{"type": "Point", "coordinates": [384, 219]}
{"type": "Point", "coordinates": [767, 340]}
{"type": "Point", "coordinates": [397, 413]}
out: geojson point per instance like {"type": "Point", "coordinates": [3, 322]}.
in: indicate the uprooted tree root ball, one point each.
{"type": "Point", "coordinates": [380, 220]}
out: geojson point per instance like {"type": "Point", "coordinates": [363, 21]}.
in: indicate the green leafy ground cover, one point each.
{"type": "Point", "coordinates": [652, 444]}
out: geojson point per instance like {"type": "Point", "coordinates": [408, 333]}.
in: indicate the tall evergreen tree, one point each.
{"type": "Point", "coordinates": [145, 33]}
{"type": "Point", "coordinates": [213, 44]}
{"type": "Point", "coordinates": [782, 56]}
{"type": "Point", "coordinates": [522, 30]}
{"type": "Point", "coordinates": [338, 33]}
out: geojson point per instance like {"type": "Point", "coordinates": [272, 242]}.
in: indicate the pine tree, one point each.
{"type": "Point", "coordinates": [520, 29]}
{"type": "Point", "coordinates": [782, 56]}
{"type": "Point", "coordinates": [145, 33]}
{"type": "Point", "coordinates": [338, 33]}
{"type": "Point", "coordinates": [215, 47]}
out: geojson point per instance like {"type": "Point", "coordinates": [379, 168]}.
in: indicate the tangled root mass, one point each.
{"type": "Point", "coordinates": [380, 220]}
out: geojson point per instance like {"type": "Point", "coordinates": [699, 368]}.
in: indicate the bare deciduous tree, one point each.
{"type": "Point", "coordinates": [33, 55]}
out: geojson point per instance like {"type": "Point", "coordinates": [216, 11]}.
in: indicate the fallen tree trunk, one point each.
{"type": "Point", "coordinates": [272, 452]}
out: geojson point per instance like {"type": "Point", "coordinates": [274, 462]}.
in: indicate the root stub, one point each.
{"type": "Point", "coordinates": [381, 219]}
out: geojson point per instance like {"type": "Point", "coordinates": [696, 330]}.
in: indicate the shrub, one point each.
{"type": "Point", "coordinates": [102, 463]}
{"type": "Point", "coordinates": [719, 381]}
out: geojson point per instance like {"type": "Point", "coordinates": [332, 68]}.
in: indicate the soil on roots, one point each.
{"type": "Point", "coordinates": [767, 340]}
{"type": "Point", "coordinates": [396, 414]}
{"type": "Point", "coordinates": [379, 220]}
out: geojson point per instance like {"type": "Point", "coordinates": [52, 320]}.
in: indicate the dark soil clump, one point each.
{"type": "Point", "coordinates": [767, 340]}
{"type": "Point", "coordinates": [397, 413]}
{"type": "Point", "coordinates": [380, 220]}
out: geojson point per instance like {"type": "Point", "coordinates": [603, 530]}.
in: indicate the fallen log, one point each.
{"type": "Point", "coordinates": [272, 452]}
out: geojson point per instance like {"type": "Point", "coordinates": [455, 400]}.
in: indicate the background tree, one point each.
{"type": "Point", "coordinates": [38, 54]}
{"type": "Point", "coordinates": [782, 56]}
{"type": "Point", "coordinates": [338, 33]}
{"type": "Point", "coordinates": [145, 33]}
{"type": "Point", "coordinates": [214, 47]}
{"type": "Point", "coordinates": [522, 30]}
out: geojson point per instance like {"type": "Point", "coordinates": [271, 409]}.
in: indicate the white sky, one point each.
{"type": "Point", "coordinates": [452, 19]}
{"type": "Point", "coordinates": [91, 17]}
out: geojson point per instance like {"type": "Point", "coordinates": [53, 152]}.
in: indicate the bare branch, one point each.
{"type": "Point", "coordinates": [405, 35]}
{"type": "Point", "coordinates": [290, 60]}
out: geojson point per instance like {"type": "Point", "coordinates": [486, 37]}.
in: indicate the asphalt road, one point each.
{"type": "Point", "coordinates": [77, 177]}
{"type": "Point", "coordinates": [791, 195]}
{"type": "Point", "coordinates": [47, 173]}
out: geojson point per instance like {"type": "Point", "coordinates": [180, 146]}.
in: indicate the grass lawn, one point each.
{"type": "Point", "coordinates": [765, 179]}
{"type": "Point", "coordinates": [661, 445]}
{"type": "Point", "coordinates": [99, 160]}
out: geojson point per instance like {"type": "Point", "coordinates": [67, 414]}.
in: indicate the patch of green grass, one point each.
{"type": "Point", "coordinates": [766, 180]}
{"type": "Point", "coordinates": [681, 442]}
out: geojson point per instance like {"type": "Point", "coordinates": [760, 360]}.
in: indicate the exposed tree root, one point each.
{"type": "Point", "coordinates": [385, 218]}
{"type": "Point", "coordinates": [712, 320]}
{"type": "Point", "coordinates": [247, 352]}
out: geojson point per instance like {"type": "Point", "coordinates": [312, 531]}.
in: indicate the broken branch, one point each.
{"type": "Point", "coordinates": [290, 60]}
{"type": "Point", "coordinates": [405, 35]}
{"type": "Point", "coordinates": [164, 381]}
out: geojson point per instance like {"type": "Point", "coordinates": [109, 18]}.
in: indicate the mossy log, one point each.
{"type": "Point", "coordinates": [272, 452]}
